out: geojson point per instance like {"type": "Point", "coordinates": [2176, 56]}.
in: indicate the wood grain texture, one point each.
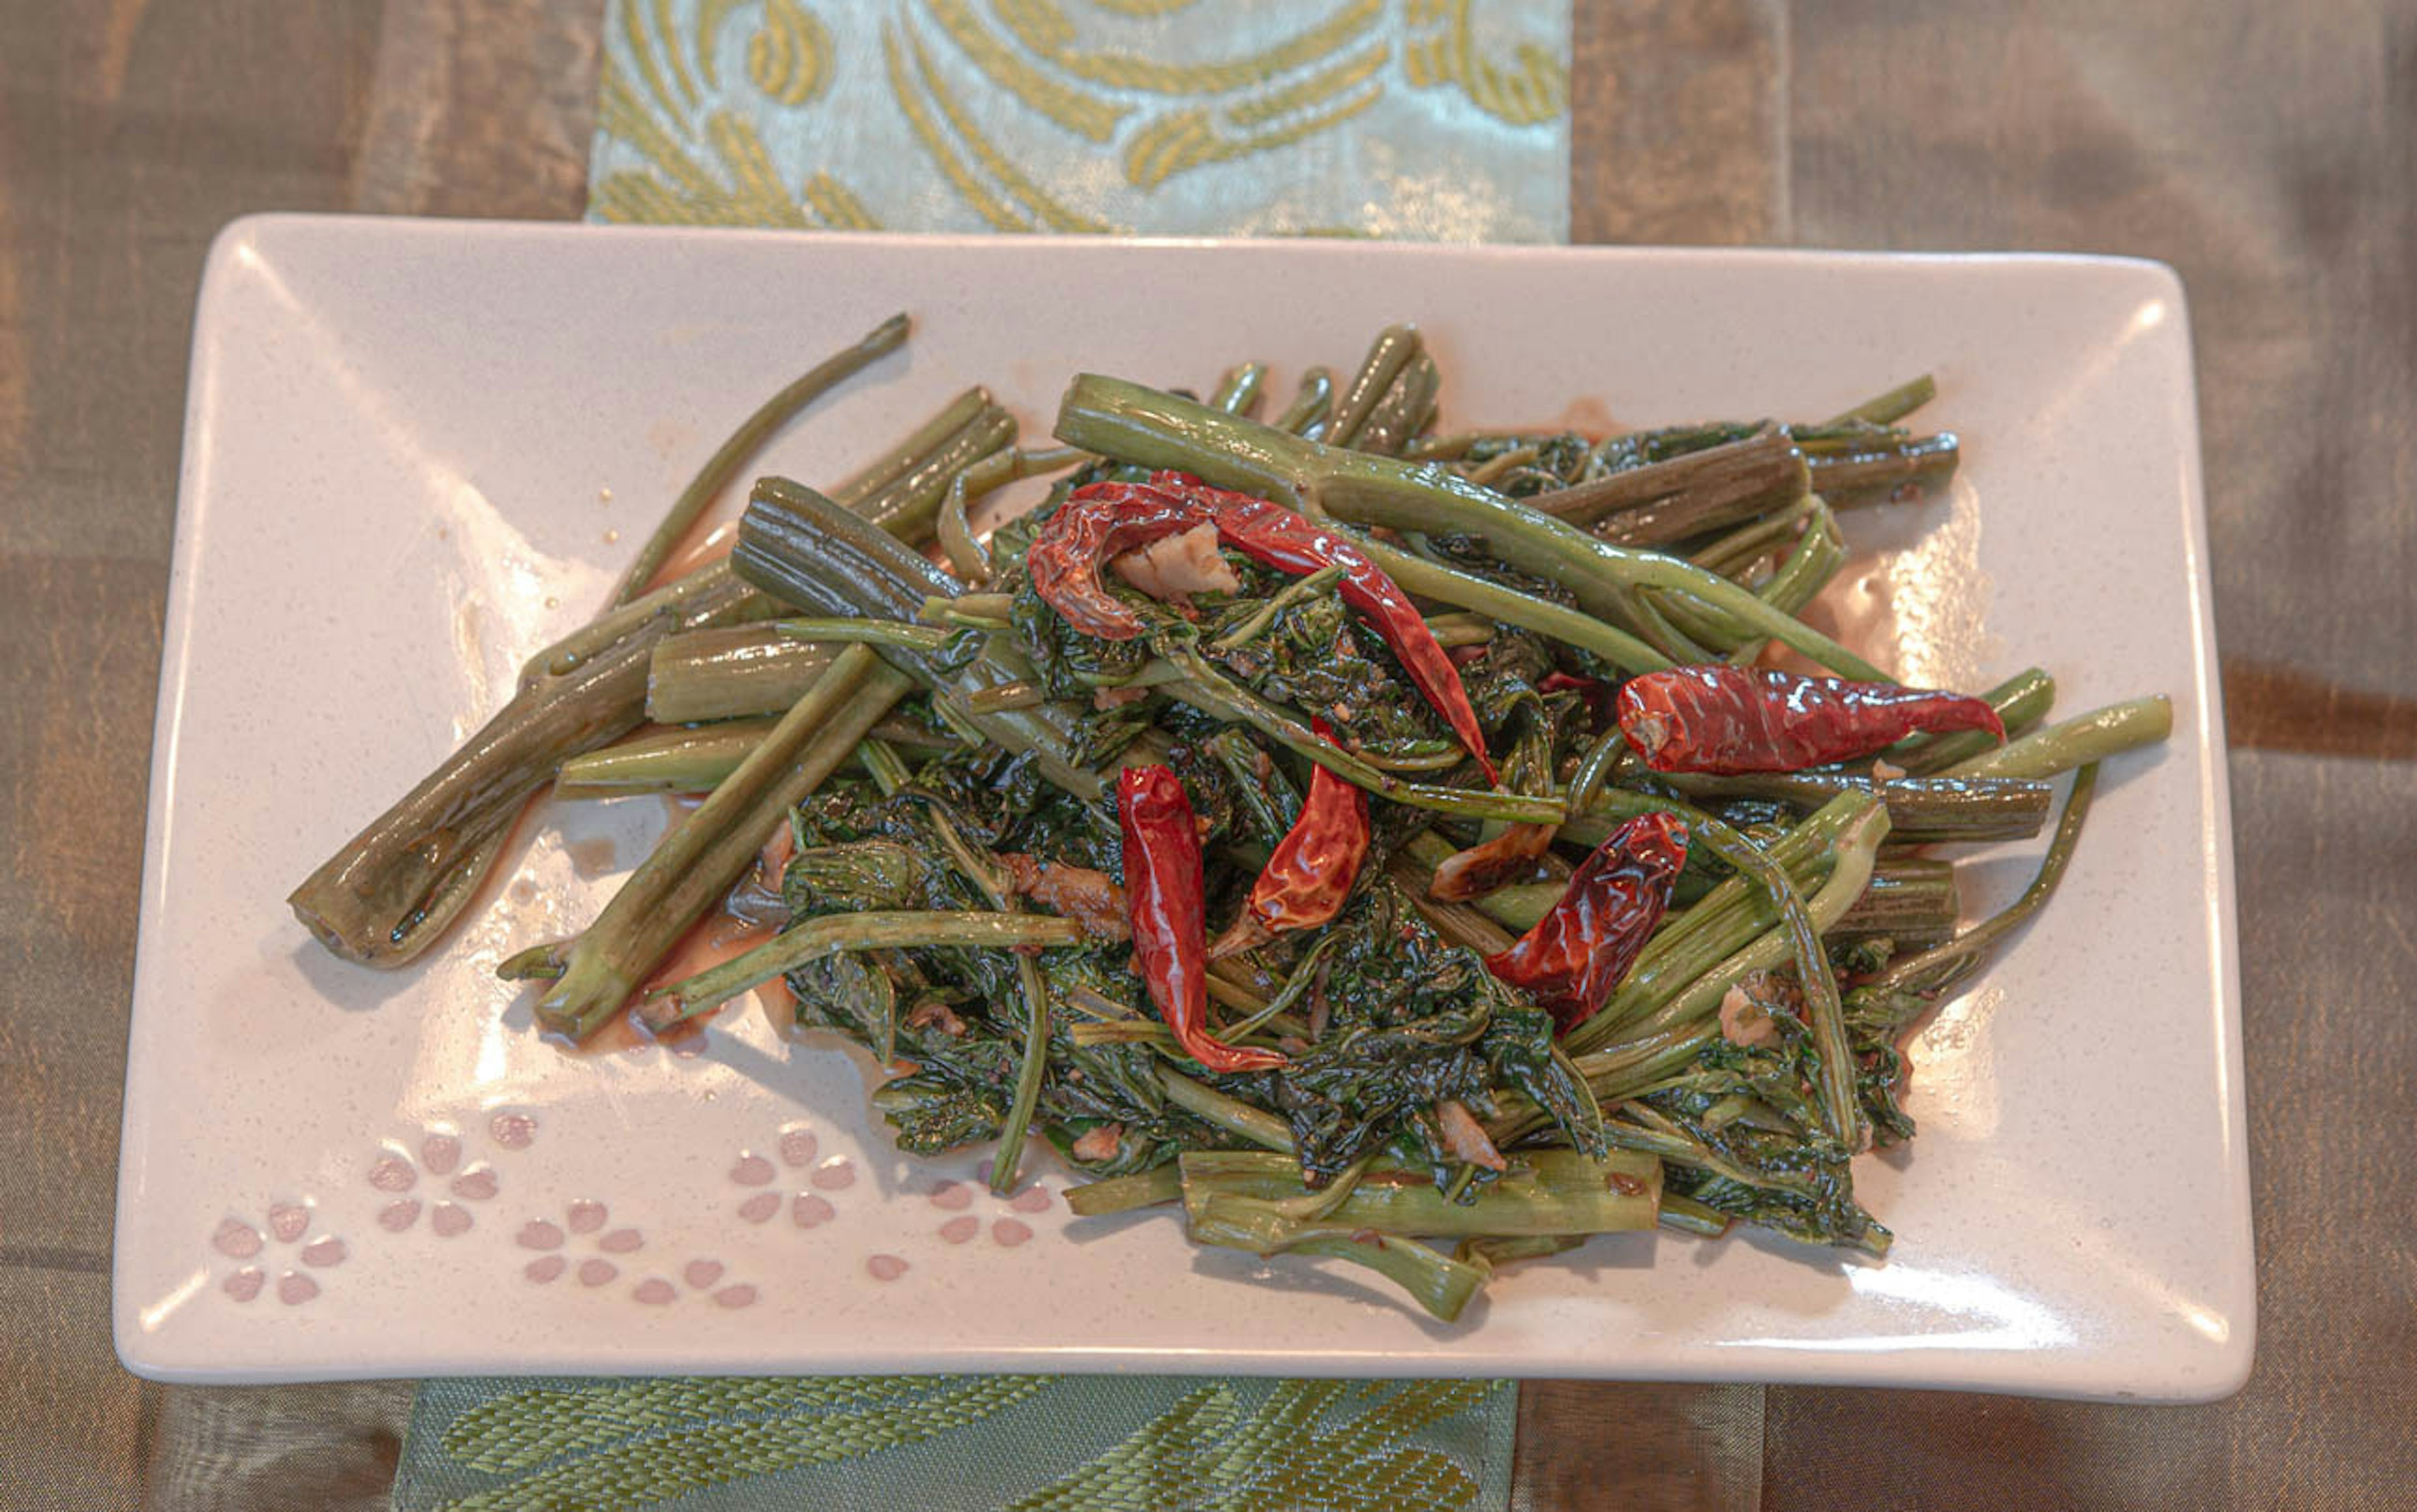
{"type": "Point", "coordinates": [1678, 122]}
{"type": "Point", "coordinates": [128, 134]}
{"type": "Point", "coordinates": [2270, 153]}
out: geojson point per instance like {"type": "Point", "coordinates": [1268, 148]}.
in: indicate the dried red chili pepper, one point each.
{"type": "Point", "coordinates": [1727, 719]}
{"type": "Point", "coordinates": [1098, 522]}
{"type": "Point", "coordinates": [1169, 914]}
{"type": "Point", "coordinates": [1307, 879]}
{"type": "Point", "coordinates": [1577, 953]}
{"type": "Point", "coordinates": [1276, 537]}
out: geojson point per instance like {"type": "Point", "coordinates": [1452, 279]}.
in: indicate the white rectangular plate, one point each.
{"type": "Point", "coordinates": [417, 450]}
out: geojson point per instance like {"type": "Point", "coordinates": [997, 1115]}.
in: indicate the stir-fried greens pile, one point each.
{"type": "Point", "coordinates": [1359, 836]}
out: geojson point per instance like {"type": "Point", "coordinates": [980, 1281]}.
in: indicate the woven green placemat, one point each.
{"type": "Point", "coordinates": [959, 1444]}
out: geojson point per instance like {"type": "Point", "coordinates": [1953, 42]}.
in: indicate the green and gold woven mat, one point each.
{"type": "Point", "coordinates": [959, 1444]}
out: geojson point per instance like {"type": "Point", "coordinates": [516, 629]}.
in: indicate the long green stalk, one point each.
{"type": "Point", "coordinates": [745, 441]}
{"type": "Point", "coordinates": [863, 631]}
{"type": "Point", "coordinates": [705, 853]}
{"type": "Point", "coordinates": [391, 891]}
{"type": "Point", "coordinates": [1545, 1192]}
{"type": "Point", "coordinates": [2077, 741]}
{"type": "Point", "coordinates": [1135, 423]}
{"type": "Point", "coordinates": [1466, 590]}
{"type": "Point", "coordinates": [735, 672]}
{"type": "Point", "coordinates": [1210, 692]}
{"type": "Point", "coordinates": [1438, 1283]}
{"type": "Point", "coordinates": [1922, 810]}
{"type": "Point", "coordinates": [833, 933]}
{"type": "Point", "coordinates": [667, 762]}
{"type": "Point", "coordinates": [2021, 701]}
{"type": "Point", "coordinates": [1234, 1116]}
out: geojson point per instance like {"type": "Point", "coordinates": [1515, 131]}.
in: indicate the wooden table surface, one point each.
{"type": "Point", "coordinates": [2268, 152]}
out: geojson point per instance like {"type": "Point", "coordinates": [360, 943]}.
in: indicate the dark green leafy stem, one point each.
{"type": "Point", "coordinates": [1841, 1112]}
{"type": "Point", "coordinates": [744, 442]}
{"type": "Point", "coordinates": [1211, 691]}
{"type": "Point", "coordinates": [832, 933]}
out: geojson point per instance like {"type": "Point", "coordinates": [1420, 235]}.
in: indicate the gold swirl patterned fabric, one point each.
{"type": "Point", "coordinates": [1443, 120]}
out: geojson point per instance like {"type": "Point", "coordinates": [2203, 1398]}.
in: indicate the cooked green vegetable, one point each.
{"type": "Point", "coordinates": [1502, 985]}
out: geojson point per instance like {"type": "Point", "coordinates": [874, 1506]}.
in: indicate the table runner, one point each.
{"type": "Point", "coordinates": [1430, 119]}
{"type": "Point", "coordinates": [1426, 119]}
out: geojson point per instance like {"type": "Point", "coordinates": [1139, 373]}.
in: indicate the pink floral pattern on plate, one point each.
{"type": "Point", "coordinates": [260, 1247]}
{"type": "Point", "coordinates": [586, 1246]}
{"type": "Point", "coordinates": [438, 1157]}
{"type": "Point", "coordinates": [1007, 1226]}
{"type": "Point", "coordinates": [769, 1190]}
